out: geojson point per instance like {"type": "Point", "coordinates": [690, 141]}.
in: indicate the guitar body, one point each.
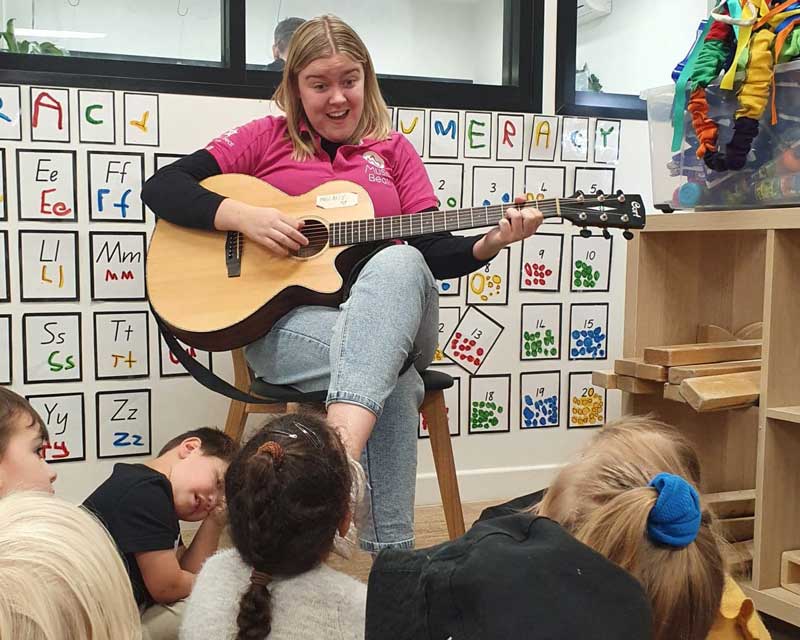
{"type": "Point", "coordinates": [188, 282]}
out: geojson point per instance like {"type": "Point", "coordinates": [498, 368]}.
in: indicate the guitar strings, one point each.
{"type": "Point", "coordinates": [550, 209]}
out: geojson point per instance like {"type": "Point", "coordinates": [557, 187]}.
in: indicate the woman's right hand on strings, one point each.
{"type": "Point", "coordinates": [272, 229]}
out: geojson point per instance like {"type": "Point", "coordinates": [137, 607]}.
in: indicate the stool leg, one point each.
{"type": "Point", "coordinates": [237, 417]}
{"type": "Point", "coordinates": [435, 413]}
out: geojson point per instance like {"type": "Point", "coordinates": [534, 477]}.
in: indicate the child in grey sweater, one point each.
{"type": "Point", "coordinates": [288, 494]}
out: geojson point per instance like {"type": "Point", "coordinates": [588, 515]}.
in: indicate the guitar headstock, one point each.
{"type": "Point", "coordinates": [618, 211]}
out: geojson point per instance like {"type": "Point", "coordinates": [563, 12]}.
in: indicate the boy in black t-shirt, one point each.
{"type": "Point", "coordinates": [141, 504]}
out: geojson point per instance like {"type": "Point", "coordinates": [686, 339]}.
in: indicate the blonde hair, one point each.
{"type": "Point", "coordinates": [604, 500]}
{"type": "Point", "coordinates": [61, 576]}
{"type": "Point", "coordinates": [322, 37]}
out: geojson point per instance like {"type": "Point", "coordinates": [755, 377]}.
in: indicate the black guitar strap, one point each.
{"type": "Point", "coordinates": [203, 375]}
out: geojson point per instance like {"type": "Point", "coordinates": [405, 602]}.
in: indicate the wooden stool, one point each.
{"type": "Point", "coordinates": [287, 400]}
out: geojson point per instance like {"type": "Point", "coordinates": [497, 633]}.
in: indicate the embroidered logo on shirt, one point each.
{"type": "Point", "coordinates": [374, 159]}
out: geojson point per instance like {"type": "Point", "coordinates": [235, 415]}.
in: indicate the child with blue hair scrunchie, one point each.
{"type": "Point", "coordinates": [632, 496]}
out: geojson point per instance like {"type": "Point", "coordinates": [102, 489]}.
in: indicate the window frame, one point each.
{"type": "Point", "coordinates": [523, 43]}
{"type": "Point", "coordinates": [585, 103]}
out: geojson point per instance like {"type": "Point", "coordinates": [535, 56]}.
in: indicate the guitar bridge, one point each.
{"type": "Point", "coordinates": [233, 254]}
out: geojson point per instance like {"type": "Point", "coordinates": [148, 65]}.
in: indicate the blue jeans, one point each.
{"type": "Point", "coordinates": [356, 352]}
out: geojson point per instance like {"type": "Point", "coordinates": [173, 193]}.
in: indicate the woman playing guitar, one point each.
{"type": "Point", "coordinates": [337, 127]}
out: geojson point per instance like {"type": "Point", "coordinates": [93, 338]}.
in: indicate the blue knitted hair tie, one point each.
{"type": "Point", "coordinates": [675, 518]}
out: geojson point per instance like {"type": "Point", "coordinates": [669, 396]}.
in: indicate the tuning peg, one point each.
{"type": "Point", "coordinates": [600, 195]}
{"type": "Point", "coordinates": [578, 195]}
{"type": "Point", "coordinates": [585, 233]}
{"type": "Point", "coordinates": [606, 234]}
{"type": "Point", "coordinates": [628, 235]}
{"type": "Point", "coordinates": [620, 195]}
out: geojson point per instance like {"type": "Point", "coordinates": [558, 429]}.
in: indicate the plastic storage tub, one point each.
{"type": "Point", "coordinates": [771, 176]}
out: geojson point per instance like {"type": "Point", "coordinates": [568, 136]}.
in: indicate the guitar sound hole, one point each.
{"type": "Point", "coordinates": [317, 234]}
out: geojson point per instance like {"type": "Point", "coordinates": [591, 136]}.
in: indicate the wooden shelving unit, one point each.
{"type": "Point", "coordinates": [731, 269]}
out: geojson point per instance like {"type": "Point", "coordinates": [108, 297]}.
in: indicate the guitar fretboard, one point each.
{"type": "Point", "coordinates": [417, 224]}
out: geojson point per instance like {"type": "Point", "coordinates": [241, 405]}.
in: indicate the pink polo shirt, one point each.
{"type": "Point", "coordinates": [390, 170]}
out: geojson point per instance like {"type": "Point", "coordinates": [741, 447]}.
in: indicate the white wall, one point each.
{"type": "Point", "coordinates": [639, 44]}
{"type": "Point", "coordinates": [490, 466]}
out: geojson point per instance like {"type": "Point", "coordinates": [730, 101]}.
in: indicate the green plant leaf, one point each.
{"type": "Point", "coordinates": [48, 48]}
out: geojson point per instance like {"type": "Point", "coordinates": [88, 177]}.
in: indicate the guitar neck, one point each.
{"type": "Point", "coordinates": [418, 224]}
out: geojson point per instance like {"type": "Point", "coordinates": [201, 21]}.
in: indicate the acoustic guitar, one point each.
{"type": "Point", "coordinates": [218, 290]}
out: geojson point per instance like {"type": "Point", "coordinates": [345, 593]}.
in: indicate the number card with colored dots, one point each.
{"type": "Point", "coordinates": [452, 402]}
{"type": "Point", "coordinates": [123, 423]}
{"type": "Point", "coordinates": [587, 403]}
{"type": "Point", "coordinates": [121, 343]}
{"type": "Point", "coordinates": [443, 134]}
{"type": "Point", "coordinates": [46, 185]}
{"type": "Point", "coordinates": [450, 287]}
{"type": "Point", "coordinates": [591, 263]}
{"type": "Point", "coordinates": [473, 340]}
{"type": "Point", "coordinates": [170, 366]}
{"type": "Point", "coordinates": [5, 349]}
{"type": "Point", "coordinates": [492, 186]}
{"type": "Point", "coordinates": [448, 183]}
{"type": "Point", "coordinates": [489, 402]}
{"type": "Point", "coordinates": [448, 321]}
{"type": "Point", "coordinates": [588, 332]}
{"type": "Point", "coordinates": [539, 400]}
{"type": "Point", "coordinates": [411, 123]}
{"type": "Point", "coordinates": [592, 179]}
{"type": "Point", "coordinates": [546, 182]}
{"type": "Point", "coordinates": [5, 274]}
{"type": "Point", "coordinates": [63, 416]}
{"type": "Point", "coordinates": [540, 262]}
{"type": "Point", "coordinates": [52, 347]}
{"type": "Point", "coordinates": [540, 332]}
{"type": "Point", "coordinates": [490, 284]}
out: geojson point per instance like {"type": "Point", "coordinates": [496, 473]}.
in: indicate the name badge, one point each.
{"type": "Point", "coordinates": [337, 200]}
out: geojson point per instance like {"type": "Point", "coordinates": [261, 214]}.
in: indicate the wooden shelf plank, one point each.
{"type": "Point", "coordinates": [673, 392]}
{"type": "Point", "coordinates": [652, 372]}
{"type": "Point", "coordinates": [683, 354]}
{"type": "Point", "coordinates": [679, 374]}
{"type": "Point", "coordinates": [605, 379]}
{"type": "Point", "coordinates": [787, 414]}
{"type": "Point", "coordinates": [776, 602]}
{"type": "Point", "coordinates": [752, 219]}
{"type": "Point", "coordinates": [714, 393]}
{"type": "Point", "coordinates": [639, 386]}
{"type": "Point", "coordinates": [737, 529]}
{"type": "Point", "coordinates": [790, 571]}
{"type": "Point", "coordinates": [730, 496]}
{"type": "Point", "coordinates": [626, 366]}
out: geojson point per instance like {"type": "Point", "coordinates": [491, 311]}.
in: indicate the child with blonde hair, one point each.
{"type": "Point", "coordinates": [632, 496]}
{"type": "Point", "coordinates": [61, 577]}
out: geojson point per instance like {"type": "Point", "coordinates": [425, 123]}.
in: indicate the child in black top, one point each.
{"type": "Point", "coordinates": [141, 504]}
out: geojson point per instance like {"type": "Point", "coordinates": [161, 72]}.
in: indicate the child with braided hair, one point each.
{"type": "Point", "coordinates": [288, 494]}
